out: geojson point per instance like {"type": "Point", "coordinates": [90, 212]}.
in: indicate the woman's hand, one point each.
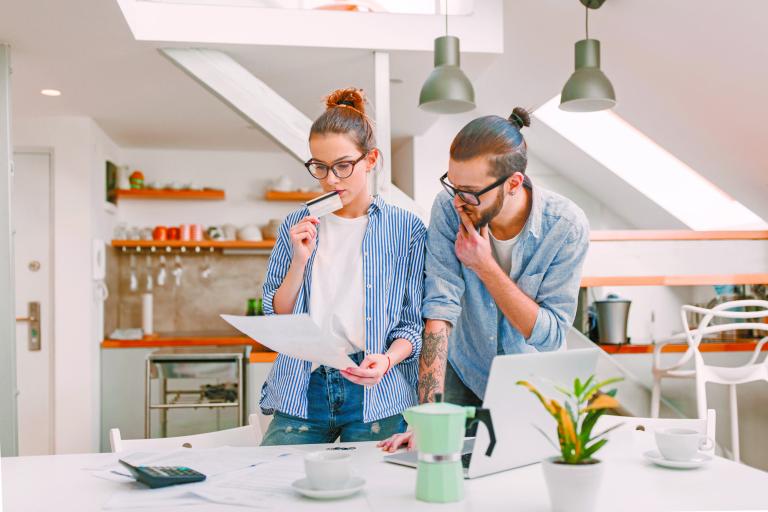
{"type": "Point", "coordinates": [370, 371]}
{"type": "Point", "coordinates": [304, 238]}
{"type": "Point", "coordinates": [392, 444]}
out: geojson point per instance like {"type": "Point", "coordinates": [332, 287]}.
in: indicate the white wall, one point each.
{"type": "Point", "coordinates": [243, 175]}
{"type": "Point", "coordinates": [418, 164]}
{"type": "Point", "coordinates": [79, 148]}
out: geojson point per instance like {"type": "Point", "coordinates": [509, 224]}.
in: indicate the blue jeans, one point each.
{"type": "Point", "coordinates": [335, 410]}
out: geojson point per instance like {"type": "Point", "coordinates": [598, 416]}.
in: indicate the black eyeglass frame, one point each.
{"type": "Point", "coordinates": [465, 194]}
{"type": "Point", "coordinates": [332, 168]}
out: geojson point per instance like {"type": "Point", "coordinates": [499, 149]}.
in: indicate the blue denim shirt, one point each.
{"type": "Point", "coordinates": [546, 266]}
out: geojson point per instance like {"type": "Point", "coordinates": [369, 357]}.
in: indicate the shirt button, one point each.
{"type": "Point", "coordinates": [370, 286]}
{"type": "Point", "coordinates": [369, 319]}
{"type": "Point", "coordinates": [365, 253]}
{"type": "Point", "coordinates": [492, 338]}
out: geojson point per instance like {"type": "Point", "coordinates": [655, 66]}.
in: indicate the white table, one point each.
{"type": "Point", "coordinates": [54, 483]}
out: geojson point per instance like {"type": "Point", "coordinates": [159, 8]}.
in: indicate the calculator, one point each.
{"type": "Point", "coordinates": [163, 476]}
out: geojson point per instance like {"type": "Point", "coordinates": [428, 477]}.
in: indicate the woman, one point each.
{"type": "Point", "coordinates": [358, 272]}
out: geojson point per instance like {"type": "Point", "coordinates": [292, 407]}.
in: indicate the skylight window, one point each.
{"type": "Point", "coordinates": [391, 6]}
{"type": "Point", "coordinates": [649, 168]}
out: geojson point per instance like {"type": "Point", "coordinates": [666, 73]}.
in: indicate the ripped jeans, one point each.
{"type": "Point", "coordinates": [335, 410]}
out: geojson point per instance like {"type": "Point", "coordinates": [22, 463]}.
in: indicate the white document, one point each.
{"type": "Point", "coordinates": [296, 336]}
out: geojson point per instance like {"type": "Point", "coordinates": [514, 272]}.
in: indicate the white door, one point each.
{"type": "Point", "coordinates": [34, 276]}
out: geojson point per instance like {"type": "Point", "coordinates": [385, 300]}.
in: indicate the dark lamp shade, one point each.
{"type": "Point", "coordinates": [588, 89]}
{"type": "Point", "coordinates": [447, 90]}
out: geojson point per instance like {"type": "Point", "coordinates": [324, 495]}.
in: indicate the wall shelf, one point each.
{"type": "Point", "coordinates": [681, 280]}
{"type": "Point", "coordinates": [166, 194]}
{"type": "Point", "coordinates": [190, 245]}
{"type": "Point", "coordinates": [299, 197]}
{"type": "Point", "coordinates": [671, 234]}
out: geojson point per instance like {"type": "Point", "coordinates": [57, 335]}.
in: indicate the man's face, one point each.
{"type": "Point", "coordinates": [472, 176]}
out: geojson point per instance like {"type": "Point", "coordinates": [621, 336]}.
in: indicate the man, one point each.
{"type": "Point", "coordinates": [503, 264]}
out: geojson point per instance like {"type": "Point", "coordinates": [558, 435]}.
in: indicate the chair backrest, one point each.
{"type": "Point", "coordinates": [733, 310]}
{"type": "Point", "coordinates": [645, 427]}
{"type": "Point", "coordinates": [249, 435]}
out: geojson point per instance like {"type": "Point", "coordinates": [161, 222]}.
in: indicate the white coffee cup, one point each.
{"type": "Point", "coordinates": [328, 470]}
{"type": "Point", "coordinates": [681, 444]}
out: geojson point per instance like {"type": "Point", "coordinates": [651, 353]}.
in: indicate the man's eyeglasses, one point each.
{"type": "Point", "coordinates": [341, 169]}
{"type": "Point", "coordinates": [471, 198]}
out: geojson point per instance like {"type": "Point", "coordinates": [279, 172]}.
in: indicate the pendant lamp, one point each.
{"type": "Point", "coordinates": [447, 89]}
{"type": "Point", "coordinates": [588, 89]}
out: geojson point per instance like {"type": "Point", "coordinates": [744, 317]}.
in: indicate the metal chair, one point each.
{"type": "Point", "coordinates": [703, 373]}
{"type": "Point", "coordinates": [249, 435]}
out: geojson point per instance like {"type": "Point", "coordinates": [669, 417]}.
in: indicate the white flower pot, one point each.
{"type": "Point", "coordinates": [572, 487]}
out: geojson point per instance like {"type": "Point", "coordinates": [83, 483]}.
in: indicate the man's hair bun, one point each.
{"type": "Point", "coordinates": [520, 117]}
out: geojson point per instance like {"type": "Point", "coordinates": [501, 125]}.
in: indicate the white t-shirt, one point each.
{"type": "Point", "coordinates": [337, 293]}
{"type": "Point", "coordinates": [502, 251]}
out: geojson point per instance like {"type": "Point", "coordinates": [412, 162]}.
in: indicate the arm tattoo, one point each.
{"type": "Point", "coordinates": [428, 385]}
{"type": "Point", "coordinates": [435, 346]}
{"type": "Point", "coordinates": [434, 355]}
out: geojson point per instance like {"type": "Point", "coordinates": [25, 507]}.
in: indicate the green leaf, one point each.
{"type": "Point", "coordinates": [585, 386]}
{"type": "Point", "coordinates": [564, 391]}
{"type": "Point", "coordinates": [593, 448]}
{"type": "Point", "coordinates": [577, 387]}
{"type": "Point", "coordinates": [601, 434]}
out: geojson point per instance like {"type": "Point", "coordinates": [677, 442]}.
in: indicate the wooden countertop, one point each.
{"type": "Point", "coordinates": [259, 353]}
{"type": "Point", "coordinates": [739, 345]}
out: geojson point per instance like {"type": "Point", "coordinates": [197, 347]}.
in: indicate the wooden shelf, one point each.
{"type": "Point", "coordinates": [166, 194]}
{"type": "Point", "coordinates": [299, 197]}
{"type": "Point", "coordinates": [205, 244]}
{"type": "Point", "coordinates": [738, 345]}
{"type": "Point", "coordinates": [259, 353]}
{"type": "Point", "coordinates": [656, 235]}
{"type": "Point", "coordinates": [681, 280]}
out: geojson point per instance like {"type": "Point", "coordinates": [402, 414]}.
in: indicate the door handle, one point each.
{"type": "Point", "coordinates": [33, 317]}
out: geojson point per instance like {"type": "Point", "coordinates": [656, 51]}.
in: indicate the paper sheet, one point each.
{"type": "Point", "coordinates": [262, 486]}
{"type": "Point", "coordinates": [294, 335]}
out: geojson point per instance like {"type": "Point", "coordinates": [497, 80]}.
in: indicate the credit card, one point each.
{"type": "Point", "coordinates": [325, 204]}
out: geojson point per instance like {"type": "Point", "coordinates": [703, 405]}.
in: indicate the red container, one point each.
{"type": "Point", "coordinates": [160, 233]}
{"type": "Point", "coordinates": [173, 233]}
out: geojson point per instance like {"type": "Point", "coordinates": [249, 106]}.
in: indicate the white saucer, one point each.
{"type": "Point", "coordinates": [354, 485]}
{"type": "Point", "coordinates": [698, 461]}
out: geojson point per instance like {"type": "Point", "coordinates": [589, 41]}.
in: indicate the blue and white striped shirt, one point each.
{"type": "Point", "coordinates": [393, 265]}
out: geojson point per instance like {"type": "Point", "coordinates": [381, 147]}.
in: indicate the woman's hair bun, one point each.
{"type": "Point", "coordinates": [520, 117]}
{"type": "Point", "coordinates": [350, 97]}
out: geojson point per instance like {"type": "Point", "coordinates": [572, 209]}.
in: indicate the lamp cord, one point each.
{"type": "Point", "coordinates": [586, 21]}
{"type": "Point", "coordinates": [446, 17]}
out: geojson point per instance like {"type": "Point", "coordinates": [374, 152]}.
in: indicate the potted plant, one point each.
{"type": "Point", "coordinates": [573, 477]}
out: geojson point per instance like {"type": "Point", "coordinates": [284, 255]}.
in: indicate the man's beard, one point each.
{"type": "Point", "coordinates": [487, 215]}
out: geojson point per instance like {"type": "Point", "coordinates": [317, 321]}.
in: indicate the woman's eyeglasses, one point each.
{"type": "Point", "coordinates": [471, 198]}
{"type": "Point", "coordinates": [341, 170]}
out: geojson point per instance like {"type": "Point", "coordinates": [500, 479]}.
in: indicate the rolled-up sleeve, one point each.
{"type": "Point", "coordinates": [277, 267]}
{"type": "Point", "coordinates": [558, 293]}
{"type": "Point", "coordinates": [411, 322]}
{"type": "Point", "coordinates": [444, 283]}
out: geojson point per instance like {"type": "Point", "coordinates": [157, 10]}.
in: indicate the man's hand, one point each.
{"type": "Point", "coordinates": [473, 248]}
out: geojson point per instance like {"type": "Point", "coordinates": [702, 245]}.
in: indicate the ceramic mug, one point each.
{"type": "Point", "coordinates": [328, 470]}
{"type": "Point", "coordinates": [681, 444]}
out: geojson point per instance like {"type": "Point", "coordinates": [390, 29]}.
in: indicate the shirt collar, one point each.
{"type": "Point", "coordinates": [534, 218]}
{"type": "Point", "coordinates": [376, 205]}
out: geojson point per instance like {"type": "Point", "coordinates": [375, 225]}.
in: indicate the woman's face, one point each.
{"type": "Point", "coordinates": [333, 148]}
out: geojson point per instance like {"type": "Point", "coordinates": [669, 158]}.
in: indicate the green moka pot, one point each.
{"type": "Point", "coordinates": [439, 429]}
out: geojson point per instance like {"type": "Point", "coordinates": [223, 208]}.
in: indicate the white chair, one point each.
{"type": "Point", "coordinates": [649, 425]}
{"type": "Point", "coordinates": [703, 373]}
{"type": "Point", "coordinates": [249, 435]}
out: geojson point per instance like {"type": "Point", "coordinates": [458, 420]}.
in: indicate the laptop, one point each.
{"type": "Point", "coordinates": [516, 412]}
